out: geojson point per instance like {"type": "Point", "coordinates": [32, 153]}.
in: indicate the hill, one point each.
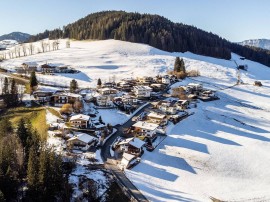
{"type": "Point", "coordinates": [222, 150]}
{"type": "Point", "coordinates": [156, 31]}
{"type": "Point", "coordinates": [259, 43]}
{"type": "Point", "coordinates": [17, 36]}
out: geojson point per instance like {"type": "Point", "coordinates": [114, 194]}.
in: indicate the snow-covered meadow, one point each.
{"type": "Point", "coordinates": [221, 151]}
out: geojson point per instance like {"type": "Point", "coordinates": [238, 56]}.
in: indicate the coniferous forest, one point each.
{"type": "Point", "coordinates": [156, 31]}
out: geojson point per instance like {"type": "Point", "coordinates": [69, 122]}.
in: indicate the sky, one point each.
{"type": "Point", "coordinates": [235, 20]}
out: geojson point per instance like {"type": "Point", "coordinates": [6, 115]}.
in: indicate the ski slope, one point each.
{"type": "Point", "coordinates": [221, 151]}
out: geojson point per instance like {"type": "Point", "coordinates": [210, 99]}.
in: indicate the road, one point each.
{"type": "Point", "coordinates": [105, 154]}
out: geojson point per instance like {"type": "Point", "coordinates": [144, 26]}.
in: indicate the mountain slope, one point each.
{"type": "Point", "coordinates": [17, 36]}
{"type": "Point", "coordinates": [259, 43]}
{"type": "Point", "coordinates": [154, 30]}
{"type": "Point", "coordinates": [222, 150]}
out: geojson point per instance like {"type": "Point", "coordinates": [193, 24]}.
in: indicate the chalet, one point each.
{"type": "Point", "coordinates": [43, 96]}
{"type": "Point", "coordinates": [157, 118]}
{"type": "Point", "coordinates": [48, 69]}
{"type": "Point", "coordinates": [59, 99]}
{"type": "Point", "coordinates": [81, 141]}
{"type": "Point", "coordinates": [109, 85]}
{"type": "Point", "coordinates": [167, 107]}
{"type": "Point", "coordinates": [166, 80]}
{"type": "Point", "coordinates": [145, 80]}
{"type": "Point", "coordinates": [103, 100]}
{"type": "Point", "coordinates": [195, 86]}
{"type": "Point", "coordinates": [132, 145]}
{"type": "Point", "coordinates": [108, 91]}
{"type": "Point", "coordinates": [145, 129]}
{"type": "Point", "coordinates": [142, 91]}
{"type": "Point", "coordinates": [182, 104]}
{"type": "Point", "coordinates": [80, 121]}
{"type": "Point", "coordinates": [157, 87]}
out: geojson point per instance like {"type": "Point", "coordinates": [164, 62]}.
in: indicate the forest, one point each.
{"type": "Point", "coordinates": [156, 31]}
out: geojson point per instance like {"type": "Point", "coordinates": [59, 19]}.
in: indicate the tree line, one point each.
{"type": "Point", "coordinates": [156, 31]}
{"type": "Point", "coordinates": [27, 162]}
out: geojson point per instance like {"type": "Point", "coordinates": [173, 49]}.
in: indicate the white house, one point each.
{"type": "Point", "coordinates": [80, 121]}
{"type": "Point", "coordinates": [132, 145]}
{"type": "Point", "coordinates": [104, 101]}
{"type": "Point", "coordinates": [128, 160]}
{"type": "Point", "coordinates": [142, 91]}
{"type": "Point", "coordinates": [81, 141]}
{"type": "Point", "coordinates": [145, 128]}
{"type": "Point", "coordinates": [166, 80]}
{"type": "Point", "coordinates": [167, 107]}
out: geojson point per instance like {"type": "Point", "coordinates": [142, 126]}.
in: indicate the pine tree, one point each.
{"type": "Point", "coordinates": [5, 127]}
{"type": "Point", "coordinates": [14, 97]}
{"type": "Point", "coordinates": [182, 64]}
{"type": "Point", "coordinates": [33, 80]}
{"type": "Point", "coordinates": [100, 119]}
{"type": "Point", "coordinates": [99, 83]}
{"type": "Point", "coordinates": [73, 86]}
{"type": "Point", "coordinates": [22, 132]}
{"type": "Point", "coordinates": [5, 88]}
{"type": "Point", "coordinates": [32, 169]}
{"type": "Point", "coordinates": [177, 65]}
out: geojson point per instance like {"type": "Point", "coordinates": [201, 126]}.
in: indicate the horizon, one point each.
{"type": "Point", "coordinates": [209, 15]}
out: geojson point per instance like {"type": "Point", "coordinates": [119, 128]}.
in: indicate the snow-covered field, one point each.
{"type": "Point", "coordinates": [221, 151]}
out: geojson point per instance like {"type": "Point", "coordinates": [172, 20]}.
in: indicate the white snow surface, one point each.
{"type": "Point", "coordinates": [221, 151]}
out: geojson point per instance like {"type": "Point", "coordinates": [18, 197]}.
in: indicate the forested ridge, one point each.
{"type": "Point", "coordinates": [156, 31]}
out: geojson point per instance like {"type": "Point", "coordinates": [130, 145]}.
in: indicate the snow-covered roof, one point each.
{"type": "Point", "coordinates": [68, 94]}
{"type": "Point", "coordinates": [82, 137]}
{"type": "Point", "coordinates": [145, 125]}
{"type": "Point", "coordinates": [194, 84]}
{"type": "Point", "coordinates": [128, 157]}
{"type": "Point", "coordinates": [136, 142]}
{"type": "Point", "coordinates": [156, 115]}
{"type": "Point", "coordinates": [81, 117]}
{"type": "Point", "coordinates": [142, 88]}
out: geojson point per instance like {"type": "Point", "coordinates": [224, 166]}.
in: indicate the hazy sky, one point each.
{"type": "Point", "coordinates": [235, 20]}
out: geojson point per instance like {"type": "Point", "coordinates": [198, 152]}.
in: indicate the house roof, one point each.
{"type": "Point", "coordinates": [82, 137]}
{"type": "Point", "coordinates": [128, 157]}
{"type": "Point", "coordinates": [142, 88]}
{"type": "Point", "coordinates": [81, 117]}
{"type": "Point", "coordinates": [67, 94]}
{"type": "Point", "coordinates": [135, 142]}
{"type": "Point", "coordinates": [156, 115]}
{"type": "Point", "coordinates": [146, 125]}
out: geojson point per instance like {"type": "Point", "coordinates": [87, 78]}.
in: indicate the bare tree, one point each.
{"type": "Point", "coordinates": [43, 46]}
{"type": "Point", "coordinates": [24, 50]}
{"type": "Point", "coordinates": [18, 51]}
{"type": "Point", "coordinates": [31, 48]}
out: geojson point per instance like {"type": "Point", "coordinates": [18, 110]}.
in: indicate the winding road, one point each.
{"type": "Point", "coordinates": [105, 154]}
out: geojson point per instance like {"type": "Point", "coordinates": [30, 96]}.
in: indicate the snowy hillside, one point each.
{"type": "Point", "coordinates": [260, 43]}
{"type": "Point", "coordinates": [221, 151]}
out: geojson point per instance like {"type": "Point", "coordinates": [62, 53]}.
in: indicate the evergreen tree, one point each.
{"type": "Point", "coordinates": [177, 65]}
{"type": "Point", "coordinates": [14, 97]}
{"type": "Point", "coordinates": [183, 67]}
{"type": "Point", "coordinates": [5, 88]}
{"type": "Point", "coordinates": [99, 83]}
{"type": "Point", "coordinates": [100, 120]}
{"type": "Point", "coordinates": [73, 86]}
{"type": "Point", "coordinates": [32, 169]}
{"type": "Point", "coordinates": [23, 132]}
{"type": "Point", "coordinates": [5, 127]}
{"type": "Point", "coordinates": [33, 80]}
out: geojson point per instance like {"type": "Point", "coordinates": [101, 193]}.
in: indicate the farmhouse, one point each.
{"type": "Point", "coordinates": [132, 145]}
{"type": "Point", "coordinates": [145, 129]}
{"type": "Point", "coordinates": [59, 99]}
{"type": "Point", "coordinates": [81, 141]}
{"type": "Point", "coordinates": [43, 96]}
{"type": "Point", "coordinates": [142, 91]}
{"type": "Point", "coordinates": [154, 117]}
{"type": "Point", "coordinates": [167, 107]}
{"type": "Point", "coordinates": [80, 121]}
{"type": "Point", "coordinates": [108, 91]}
{"type": "Point", "coordinates": [48, 69]}
{"type": "Point", "coordinates": [145, 80]}
{"type": "Point", "coordinates": [103, 100]}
